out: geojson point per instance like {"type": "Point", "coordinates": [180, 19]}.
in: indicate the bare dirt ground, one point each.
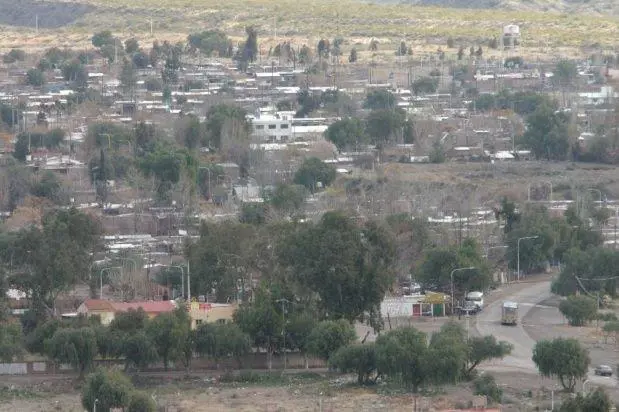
{"type": "Point", "coordinates": [326, 394]}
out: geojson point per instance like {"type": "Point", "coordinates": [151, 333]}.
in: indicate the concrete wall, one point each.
{"type": "Point", "coordinates": [257, 360]}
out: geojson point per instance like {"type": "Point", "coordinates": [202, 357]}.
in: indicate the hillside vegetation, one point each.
{"type": "Point", "coordinates": [307, 22]}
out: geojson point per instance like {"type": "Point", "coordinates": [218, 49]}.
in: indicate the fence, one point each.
{"type": "Point", "coordinates": [256, 360]}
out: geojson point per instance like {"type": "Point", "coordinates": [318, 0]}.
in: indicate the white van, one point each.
{"type": "Point", "coordinates": [477, 298]}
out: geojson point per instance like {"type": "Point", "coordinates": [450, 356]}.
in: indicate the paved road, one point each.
{"type": "Point", "coordinates": [489, 323]}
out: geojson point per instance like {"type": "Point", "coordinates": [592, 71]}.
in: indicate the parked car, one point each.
{"type": "Point", "coordinates": [469, 308]}
{"type": "Point", "coordinates": [603, 370]}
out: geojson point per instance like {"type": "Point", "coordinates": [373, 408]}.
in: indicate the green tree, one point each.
{"type": "Point", "coordinates": [578, 310]}
{"type": "Point", "coordinates": [595, 265]}
{"type": "Point", "coordinates": [144, 138]}
{"type": "Point", "coordinates": [486, 386]}
{"type": "Point", "coordinates": [401, 355]}
{"type": "Point", "coordinates": [217, 258]}
{"type": "Point", "coordinates": [356, 358]}
{"type": "Point", "coordinates": [596, 401]}
{"type": "Point", "coordinates": [167, 331]}
{"type": "Point", "coordinates": [565, 73]}
{"type": "Point", "coordinates": [250, 50]}
{"type": "Point", "coordinates": [128, 76]}
{"type": "Point", "coordinates": [130, 321]}
{"type": "Point", "coordinates": [102, 38]}
{"type": "Point", "coordinates": [287, 199]}
{"type": "Point", "coordinates": [253, 213]}
{"type": "Point", "coordinates": [425, 85]}
{"type": "Point", "coordinates": [222, 341]}
{"type": "Point", "coordinates": [437, 154]}
{"type": "Point", "coordinates": [77, 347]}
{"type": "Point", "coordinates": [11, 342]}
{"type": "Point", "coordinates": [536, 251]}
{"type": "Point", "coordinates": [346, 133]}
{"type": "Point", "coordinates": [547, 133]}
{"type": "Point", "coordinates": [328, 336]}
{"type": "Point", "coordinates": [348, 267]}
{"type": "Point", "coordinates": [352, 57]}
{"type": "Point", "coordinates": [225, 122]}
{"type": "Point", "coordinates": [138, 350]}
{"type": "Point", "coordinates": [384, 126]}
{"type": "Point", "coordinates": [447, 355]}
{"type": "Point", "coordinates": [132, 45]}
{"type": "Point", "coordinates": [141, 402]}
{"type": "Point", "coordinates": [262, 322]}
{"type": "Point", "coordinates": [35, 77]}
{"type": "Point", "coordinates": [14, 55]}
{"type": "Point", "coordinates": [109, 388]}
{"type": "Point", "coordinates": [166, 166]}
{"type": "Point", "coordinates": [41, 269]}
{"type": "Point", "coordinates": [49, 187]}
{"type": "Point", "coordinates": [438, 264]}
{"type": "Point", "coordinates": [210, 41]}
{"type": "Point", "coordinates": [313, 173]}
{"type": "Point", "coordinates": [562, 358]}
{"type": "Point", "coordinates": [75, 72]}
{"type": "Point", "coordinates": [485, 348]}
{"type": "Point", "coordinates": [172, 65]}
{"type": "Point", "coordinates": [379, 100]}
{"type": "Point", "coordinates": [37, 339]}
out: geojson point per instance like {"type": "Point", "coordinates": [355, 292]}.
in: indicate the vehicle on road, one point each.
{"type": "Point", "coordinates": [603, 370]}
{"type": "Point", "coordinates": [469, 308]}
{"type": "Point", "coordinates": [509, 313]}
{"type": "Point", "coordinates": [477, 298]}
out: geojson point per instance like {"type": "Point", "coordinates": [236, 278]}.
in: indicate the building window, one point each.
{"type": "Point", "coordinates": [284, 126]}
{"type": "Point", "coordinates": [198, 322]}
{"type": "Point", "coordinates": [284, 137]}
{"type": "Point", "coordinates": [272, 126]}
{"type": "Point", "coordinates": [221, 321]}
{"type": "Point", "coordinates": [259, 127]}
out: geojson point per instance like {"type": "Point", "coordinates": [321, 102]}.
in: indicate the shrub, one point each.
{"type": "Point", "coordinates": [357, 358]}
{"type": "Point", "coordinates": [486, 385]}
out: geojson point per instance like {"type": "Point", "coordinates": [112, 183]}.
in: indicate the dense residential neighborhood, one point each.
{"type": "Point", "coordinates": [383, 216]}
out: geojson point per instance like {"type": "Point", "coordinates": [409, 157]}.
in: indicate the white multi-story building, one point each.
{"type": "Point", "coordinates": [270, 126]}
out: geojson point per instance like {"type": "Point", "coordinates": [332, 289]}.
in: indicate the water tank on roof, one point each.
{"type": "Point", "coordinates": [511, 30]}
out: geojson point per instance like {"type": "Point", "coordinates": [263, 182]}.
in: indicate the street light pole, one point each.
{"type": "Point", "coordinates": [94, 405]}
{"type": "Point", "coordinates": [518, 254]}
{"type": "Point", "coordinates": [452, 284]}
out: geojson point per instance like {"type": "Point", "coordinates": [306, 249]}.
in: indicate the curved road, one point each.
{"type": "Point", "coordinates": [489, 323]}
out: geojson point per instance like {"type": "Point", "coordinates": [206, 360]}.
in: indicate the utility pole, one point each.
{"type": "Point", "coordinates": [188, 283]}
{"type": "Point", "coordinates": [284, 302]}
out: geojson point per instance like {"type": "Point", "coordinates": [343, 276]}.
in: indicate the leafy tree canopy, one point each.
{"type": "Point", "coordinates": [562, 358]}
{"type": "Point", "coordinates": [312, 172]}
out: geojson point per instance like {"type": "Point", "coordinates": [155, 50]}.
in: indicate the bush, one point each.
{"type": "Point", "coordinates": [328, 336]}
{"type": "Point", "coordinates": [578, 310]}
{"type": "Point", "coordinates": [486, 385]}
{"type": "Point", "coordinates": [356, 358]}
{"type": "Point", "coordinates": [111, 388]}
{"type": "Point", "coordinates": [141, 402]}
{"type": "Point", "coordinates": [35, 77]}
